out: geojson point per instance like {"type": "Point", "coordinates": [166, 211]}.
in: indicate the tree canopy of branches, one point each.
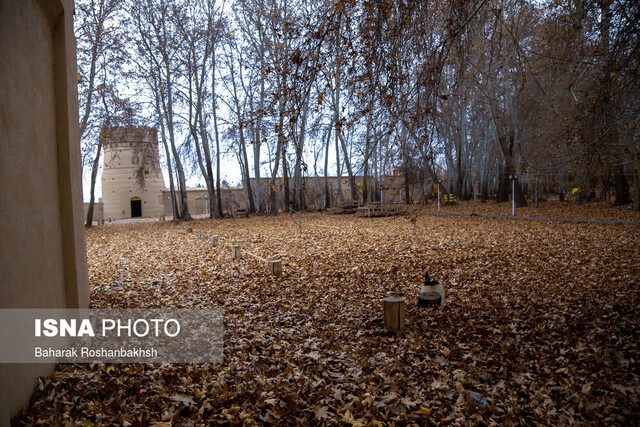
{"type": "Point", "coordinates": [477, 93]}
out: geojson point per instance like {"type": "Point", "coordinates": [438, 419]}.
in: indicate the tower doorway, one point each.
{"type": "Point", "coordinates": [136, 207]}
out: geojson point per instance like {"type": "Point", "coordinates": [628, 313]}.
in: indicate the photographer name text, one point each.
{"type": "Point", "coordinates": [85, 352]}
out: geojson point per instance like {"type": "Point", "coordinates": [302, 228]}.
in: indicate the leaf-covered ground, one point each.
{"type": "Point", "coordinates": [601, 210]}
{"type": "Point", "coordinates": [541, 320]}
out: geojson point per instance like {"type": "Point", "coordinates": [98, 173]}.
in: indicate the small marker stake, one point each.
{"type": "Point", "coordinates": [214, 241]}
{"type": "Point", "coordinates": [200, 234]}
{"type": "Point", "coordinates": [236, 251]}
{"type": "Point", "coordinates": [276, 267]}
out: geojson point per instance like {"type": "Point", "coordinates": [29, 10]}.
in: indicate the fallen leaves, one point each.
{"type": "Point", "coordinates": [601, 210]}
{"type": "Point", "coordinates": [540, 324]}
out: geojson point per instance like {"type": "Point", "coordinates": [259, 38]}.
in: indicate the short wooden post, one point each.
{"type": "Point", "coordinates": [200, 234]}
{"type": "Point", "coordinates": [276, 267]}
{"type": "Point", "coordinates": [394, 308]}
{"type": "Point", "coordinates": [236, 251]}
{"type": "Point", "coordinates": [214, 241]}
{"type": "Point", "coordinates": [184, 225]}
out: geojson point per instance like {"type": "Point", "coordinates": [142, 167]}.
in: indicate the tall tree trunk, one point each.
{"type": "Point", "coordinates": [461, 144]}
{"type": "Point", "coordinates": [196, 128]}
{"type": "Point", "coordinates": [94, 174]}
{"type": "Point", "coordinates": [256, 147]}
{"type": "Point", "coordinates": [298, 195]}
{"type": "Point", "coordinates": [285, 180]}
{"type": "Point", "coordinates": [168, 106]}
{"type": "Point", "coordinates": [209, 169]}
{"type": "Point", "coordinates": [365, 178]}
{"type": "Point", "coordinates": [256, 172]}
{"type": "Point", "coordinates": [327, 193]}
{"type": "Point", "coordinates": [274, 172]}
{"type": "Point", "coordinates": [338, 166]}
{"type": "Point", "coordinates": [503, 118]}
{"type": "Point", "coordinates": [405, 164]}
{"type": "Point", "coordinates": [621, 186]}
{"type": "Point", "coordinates": [506, 144]}
{"type": "Point", "coordinates": [184, 204]}
{"type": "Point", "coordinates": [608, 128]}
{"type": "Point", "coordinates": [367, 150]}
{"type": "Point", "coordinates": [163, 135]}
{"type": "Point", "coordinates": [375, 188]}
{"type": "Point", "coordinates": [92, 77]}
{"type": "Point", "coordinates": [251, 208]}
{"type": "Point", "coordinates": [243, 174]}
{"type": "Point", "coordinates": [352, 181]}
{"type": "Point", "coordinates": [484, 191]}
{"type": "Point", "coordinates": [504, 187]}
{"type": "Point", "coordinates": [258, 123]}
{"type": "Point", "coordinates": [216, 133]}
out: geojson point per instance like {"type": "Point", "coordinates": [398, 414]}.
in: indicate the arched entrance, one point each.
{"type": "Point", "coordinates": [136, 207]}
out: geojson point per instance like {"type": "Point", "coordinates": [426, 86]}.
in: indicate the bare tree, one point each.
{"type": "Point", "coordinates": [101, 53]}
{"type": "Point", "coordinates": [159, 44]}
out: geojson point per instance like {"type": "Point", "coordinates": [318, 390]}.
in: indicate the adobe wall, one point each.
{"type": "Point", "coordinates": [314, 191]}
{"type": "Point", "coordinates": [42, 246]}
{"type": "Point", "coordinates": [198, 204]}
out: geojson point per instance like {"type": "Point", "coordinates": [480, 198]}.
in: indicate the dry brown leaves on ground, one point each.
{"type": "Point", "coordinates": [541, 320]}
{"type": "Point", "coordinates": [602, 210]}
